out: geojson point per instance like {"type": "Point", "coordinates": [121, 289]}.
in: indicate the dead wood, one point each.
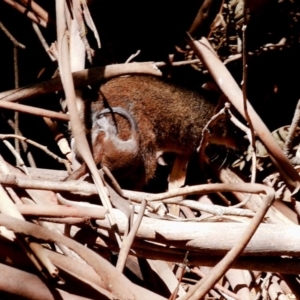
{"type": "Point", "coordinates": [179, 195]}
{"type": "Point", "coordinates": [218, 237]}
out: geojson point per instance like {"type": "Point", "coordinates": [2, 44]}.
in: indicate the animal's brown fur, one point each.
{"type": "Point", "coordinates": [169, 118]}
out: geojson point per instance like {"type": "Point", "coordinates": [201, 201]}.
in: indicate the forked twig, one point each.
{"type": "Point", "coordinates": [127, 242]}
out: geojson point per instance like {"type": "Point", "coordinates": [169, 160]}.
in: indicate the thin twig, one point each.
{"type": "Point", "coordinates": [42, 40]}
{"type": "Point", "coordinates": [20, 162]}
{"type": "Point", "coordinates": [213, 209]}
{"type": "Point", "coordinates": [88, 189]}
{"type": "Point", "coordinates": [11, 37]}
{"type": "Point", "coordinates": [24, 145]}
{"type": "Point", "coordinates": [16, 114]}
{"type": "Point", "coordinates": [34, 110]}
{"type": "Point", "coordinates": [251, 134]}
{"type": "Point", "coordinates": [62, 211]}
{"type": "Point", "coordinates": [182, 270]}
{"type": "Point", "coordinates": [42, 147]}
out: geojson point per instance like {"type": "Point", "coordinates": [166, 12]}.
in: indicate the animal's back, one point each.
{"type": "Point", "coordinates": [169, 118]}
{"type": "Point", "coordinates": [177, 115]}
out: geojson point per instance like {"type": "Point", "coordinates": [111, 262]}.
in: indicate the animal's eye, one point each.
{"type": "Point", "coordinates": [99, 115]}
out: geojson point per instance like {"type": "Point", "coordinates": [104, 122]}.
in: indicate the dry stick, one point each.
{"type": "Point", "coordinates": [42, 40]}
{"type": "Point", "coordinates": [81, 29]}
{"type": "Point", "coordinates": [203, 256]}
{"type": "Point", "coordinates": [232, 91]}
{"type": "Point", "coordinates": [24, 10]}
{"type": "Point", "coordinates": [89, 189]}
{"type": "Point", "coordinates": [132, 56]}
{"type": "Point", "coordinates": [61, 211]}
{"type": "Point", "coordinates": [161, 64]}
{"type": "Point", "coordinates": [292, 130]}
{"type": "Point", "coordinates": [76, 44]}
{"type": "Point", "coordinates": [81, 79]}
{"type": "Point", "coordinates": [76, 124]}
{"type": "Point", "coordinates": [11, 37]}
{"type": "Point", "coordinates": [196, 189]}
{"type": "Point", "coordinates": [203, 286]}
{"type": "Point", "coordinates": [50, 185]}
{"type": "Point", "coordinates": [206, 135]}
{"type": "Point", "coordinates": [19, 160]}
{"type": "Point", "coordinates": [49, 174]}
{"type": "Point", "coordinates": [245, 103]}
{"type": "Point", "coordinates": [213, 209]}
{"type": "Point", "coordinates": [16, 114]}
{"type": "Point", "coordinates": [212, 238]}
{"type": "Point", "coordinates": [113, 280]}
{"type": "Point", "coordinates": [70, 221]}
{"type": "Point", "coordinates": [34, 110]}
{"type": "Point", "coordinates": [201, 189]}
{"type": "Point", "coordinates": [179, 275]}
{"type": "Point", "coordinates": [90, 22]}
{"type": "Point", "coordinates": [127, 242]}
{"type": "Point", "coordinates": [30, 158]}
{"type": "Point", "coordinates": [16, 45]}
